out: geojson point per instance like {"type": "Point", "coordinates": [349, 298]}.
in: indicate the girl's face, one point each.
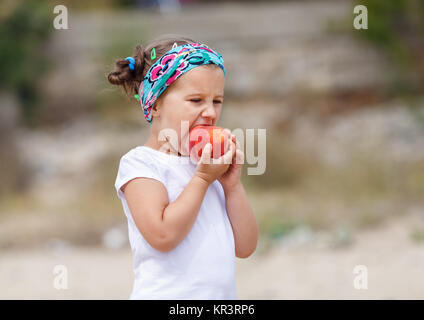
{"type": "Point", "coordinates": [196, 97]}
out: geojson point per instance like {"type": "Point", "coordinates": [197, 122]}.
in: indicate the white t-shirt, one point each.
{"type": "Point", "coordinates": [202, 266]}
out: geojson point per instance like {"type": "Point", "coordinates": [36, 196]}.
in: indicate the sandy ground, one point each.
{"type": "Point", "coordinates": [395, 267]}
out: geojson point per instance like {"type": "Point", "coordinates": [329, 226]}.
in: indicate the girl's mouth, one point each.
{"type": "Point", "coordinates": [200, 124]}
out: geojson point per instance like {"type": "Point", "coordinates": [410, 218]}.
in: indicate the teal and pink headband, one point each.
{"type": "Point", "coordinates": [169, 67]}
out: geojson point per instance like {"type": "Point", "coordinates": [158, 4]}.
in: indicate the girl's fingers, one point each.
{"type": "Point", "coordinates": [228, 156]}
{"type": "Point", "coordinates": [237, 143]}
{"type": "Point", "coordinates": [235, 149]}
{"type": "Point", "coordinates": [206, 153]}
{"type": "Point", "coordinates": [239, 157]}
{"type": "Point", "coordinates": [227, 138]}
{"type": "Point", "coordinates": [234, 139]}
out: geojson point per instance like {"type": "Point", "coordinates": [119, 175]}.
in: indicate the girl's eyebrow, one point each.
{"type": "Point", "coordinates": [202, 94]}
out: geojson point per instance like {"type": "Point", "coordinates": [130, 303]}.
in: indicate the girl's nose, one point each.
{"type": "Point", "coordinates": [209, 112]}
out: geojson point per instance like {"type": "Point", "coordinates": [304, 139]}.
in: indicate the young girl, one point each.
{"type": "Point", "coordinates": [187, 221]}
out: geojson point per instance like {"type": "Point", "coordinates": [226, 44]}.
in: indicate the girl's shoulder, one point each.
{"type": "Point", "coordinates": [137, 157]}
{"type": "Point", "coordinates": [137, 162]}
{"type": "Point", "coordinates": [146, 159]}
{"type": "Point", "coordinates": [138, 152]}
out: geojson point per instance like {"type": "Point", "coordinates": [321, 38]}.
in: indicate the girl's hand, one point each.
{"type": "Point", "coordinates": [232, 176]}
{"type": "Point", "coordinates": [208, 168]}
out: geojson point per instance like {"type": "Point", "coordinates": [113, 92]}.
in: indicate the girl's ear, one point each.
{"type": "Point", "coordinates": [156, 110]}
{"type": "Point", "coordinates": [157, 107]}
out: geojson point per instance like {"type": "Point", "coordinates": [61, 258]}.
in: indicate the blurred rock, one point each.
{"type": "Point", "coordinates": [386, 131]}
{"type": "Point", "coordinates": [9, 112]}
{"type": "Point", "coordinates": [58, 247]}
{"type": "Point", "coordinates": [299, 237]}
{"type": "Point", "coordinates": [63, 160]}
{"type": "Point", "coordinates": [341, 237]}
{"type": "Point", "coordinates": [15, 175]}
{"type": "Point", "coordinates": [115, 238]}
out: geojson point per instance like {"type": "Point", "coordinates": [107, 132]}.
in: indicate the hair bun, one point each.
{"type": "Point", "coordinates": [124, 76]}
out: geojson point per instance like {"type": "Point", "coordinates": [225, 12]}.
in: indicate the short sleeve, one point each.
{"type": "Point", "coordinates": [131, 166]}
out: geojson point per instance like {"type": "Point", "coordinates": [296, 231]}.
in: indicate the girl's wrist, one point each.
{"type": "Point", "coordinates": [201, 179]}
{"type": "Point", "coordinates": [228, 189]}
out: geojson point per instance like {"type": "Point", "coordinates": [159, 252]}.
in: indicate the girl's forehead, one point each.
{"type": "Point", "coordinates": [202, 77]}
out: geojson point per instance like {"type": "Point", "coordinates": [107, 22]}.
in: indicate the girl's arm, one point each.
{"type": "Point", "coordinates": [243, 222]}
{"type": "Point", "coordinates": [164, 225]}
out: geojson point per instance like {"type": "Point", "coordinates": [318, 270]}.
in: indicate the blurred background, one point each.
{"type": "Point", "coordinates": [344, 114]}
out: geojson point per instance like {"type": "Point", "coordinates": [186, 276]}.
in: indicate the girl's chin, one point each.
{"type": "Point", "coordinates": [183, 153]}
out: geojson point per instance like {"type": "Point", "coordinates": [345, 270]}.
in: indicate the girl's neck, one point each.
{"type": "Point", "coordinates": [163, 146]}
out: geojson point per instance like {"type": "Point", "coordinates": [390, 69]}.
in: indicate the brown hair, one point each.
{"type": "Point", "coordinates": [130, 79]}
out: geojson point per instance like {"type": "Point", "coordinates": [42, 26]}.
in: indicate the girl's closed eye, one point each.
{"type": "Point", "coordinates": [199, 100]}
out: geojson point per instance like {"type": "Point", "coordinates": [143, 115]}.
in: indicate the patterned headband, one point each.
{"type": "Point", "coordinates": [169, 67]}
